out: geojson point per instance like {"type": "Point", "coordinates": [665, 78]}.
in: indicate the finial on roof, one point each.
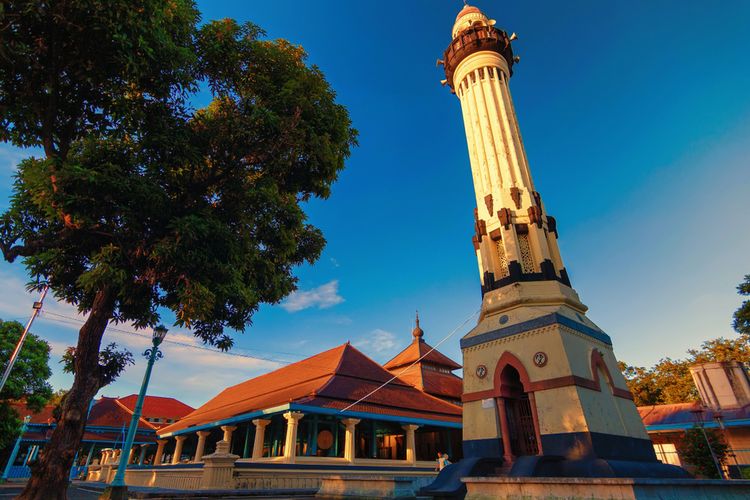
{"type": "Point", "coordinates": [417, 332]}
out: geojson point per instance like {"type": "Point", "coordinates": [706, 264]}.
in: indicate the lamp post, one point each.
{"type": "Point", "coordinates": [719, 418]}
{"type": "Point", "coordinates": [699, 415]}
{"type": "Point", "coordinates": [12, 361]}
{"type": "Point", "coordinates": [118, 489]}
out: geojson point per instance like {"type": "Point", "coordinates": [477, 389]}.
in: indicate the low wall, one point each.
{"type": "Point", "coordinates": [550, 488]}
{"type": "Point", "coordinates": [272, 477]}
{"type": "Point", "coordinates": [160, 477]}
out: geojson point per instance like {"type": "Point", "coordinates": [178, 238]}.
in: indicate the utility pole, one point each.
{"type": "Point", "coordinates": [37, 307]}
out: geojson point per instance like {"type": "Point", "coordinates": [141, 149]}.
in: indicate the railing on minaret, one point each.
{"type": "Point", "coordinates": [515, 240]}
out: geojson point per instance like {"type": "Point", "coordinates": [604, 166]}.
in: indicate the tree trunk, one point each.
{"type": "Point", "coordinates": [49, 478]}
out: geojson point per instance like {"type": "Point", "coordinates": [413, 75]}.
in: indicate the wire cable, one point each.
{"type": "Point", "coordinates": [414, 363]}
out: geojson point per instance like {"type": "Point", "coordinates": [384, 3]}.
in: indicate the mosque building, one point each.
{"type": "Point", "coordinates": [336, 407]}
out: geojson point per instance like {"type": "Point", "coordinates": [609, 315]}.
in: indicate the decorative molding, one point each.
{"type": "Point", "coordinates": [534, 324]}
{"type": "Point", "coordinates": [496, 234]}
{"type": "Point", "coordinates": [515, 194]}
{"type": "Point", "coordinates": [488, 203]}
{"type": "Point", "coordinates": [552, 225]}
{"type": "Point", "coordinates": [506, 217]}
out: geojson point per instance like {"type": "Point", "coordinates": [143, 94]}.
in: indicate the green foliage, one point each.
{"type": "Point", "coordinates": [694, 448]}
{"type": "Point", "coordinates": [195, 211]}
{"type": "Point", "coordinates": [741, 322]}
{"type": "Point", "coordinates": [669, 381]}
{"type": "Point", "coordinates": [112, 363]}
{"type": "Point", "coordinates": [70, 69]}
{"type": "Point", "coordinates": [27, 381]}
{"type": "Point", "coordinates": [142, 203]}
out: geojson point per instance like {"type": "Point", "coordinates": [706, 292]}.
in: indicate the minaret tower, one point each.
{"type": "Point", "coordinates": [540, 378]}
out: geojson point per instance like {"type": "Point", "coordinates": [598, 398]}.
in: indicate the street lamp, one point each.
{"type": "Point", "coordinates": [118, 489]}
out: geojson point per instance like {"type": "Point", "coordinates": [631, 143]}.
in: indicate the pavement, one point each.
{"type": "Point", "coordinates": [75, 492]}
{"type": "Point", "coordinates": [82, 490]}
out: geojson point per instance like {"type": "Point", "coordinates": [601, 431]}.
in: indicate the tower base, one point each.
{"type": "Point", "coordinates": [542, 390]}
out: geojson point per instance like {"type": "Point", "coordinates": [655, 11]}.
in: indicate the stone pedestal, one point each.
{"type": "Point", "coordinates": [218, 468]}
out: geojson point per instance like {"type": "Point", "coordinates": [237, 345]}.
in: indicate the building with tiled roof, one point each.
{"type": "Point", "coordinates": [106, 427]}
{"type": "Point", "coordinates": [724, 390]}
{"type": "Point", "coordinates": [338, 405]}
{"type": "Point", "coordinates": [427, 369]}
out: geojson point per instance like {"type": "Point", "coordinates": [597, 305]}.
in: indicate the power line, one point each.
{"type": "Point", "coordinates": [411, 365]}
{"type": "Point", "coordinates": [61, 318]}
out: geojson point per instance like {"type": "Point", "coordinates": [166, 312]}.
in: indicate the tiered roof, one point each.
{"type": "Point", "coordinates": [426, 368]}
{"type": "Point", "coordinates": [334, 379]}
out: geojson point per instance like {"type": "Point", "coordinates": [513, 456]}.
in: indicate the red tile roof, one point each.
{"type": "Point", "coordinates": [415, 351]}
{"type": "Point", "coordinates": [158, 407]}
{"type": "Point", "coordinates": [685, 414]}
{"type": "Point", "coordinates": [332, 379]}
{"type": "Point", "coordinates": [427, 369]}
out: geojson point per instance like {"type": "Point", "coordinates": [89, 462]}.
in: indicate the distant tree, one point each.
{"type": "Point", "coordinates": [741, 322]}
{"type": "Point", "coordinates": [694, 449]}
{"type": "Point", "coordinates": [28, 379]}
{"type": "Point", "coordinates": [642, 384]}
{"type": "Point", "coordinates": [141, 202]}
{"type": "Point", "coordinates": [669, 381]}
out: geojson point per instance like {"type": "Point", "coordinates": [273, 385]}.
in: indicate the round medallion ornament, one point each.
{"type": "Point", "coordinates": [481, 371]}
{"type": "Point", "coordinates": [325, 440]}
{"type": "Point", "coordinates": [504, 319]}
{"type": "Point", "coordinates": [540, 359]}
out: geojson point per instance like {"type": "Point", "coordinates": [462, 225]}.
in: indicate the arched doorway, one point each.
{"type": "Point", "coordinates": [516, 412]}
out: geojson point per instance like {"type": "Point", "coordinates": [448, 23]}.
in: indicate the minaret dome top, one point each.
{"type": "Point", "coordinates": [468, 17]}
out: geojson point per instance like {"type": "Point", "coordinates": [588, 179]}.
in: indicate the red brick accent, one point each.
{"type": "Point", "coordinates": [597, 361]}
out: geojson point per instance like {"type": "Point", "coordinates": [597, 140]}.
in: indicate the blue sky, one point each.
{"type": "Point", "coordinates": [636, 120]}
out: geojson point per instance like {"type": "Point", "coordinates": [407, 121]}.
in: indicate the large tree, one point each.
{"type": "Point", "coordinates": [669, 381]}
{"type": "Point", "coordinates": [142, 204]}
{"type": "Point", "coordinates": [28, 379]}
{"type": "Point", "coordinates": [741, 321]}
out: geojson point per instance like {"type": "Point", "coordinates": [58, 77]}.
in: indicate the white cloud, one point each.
{"type": "Point", "coordinates": [377, 342]}
{"type": "Point", "coordinates": [322, 297]}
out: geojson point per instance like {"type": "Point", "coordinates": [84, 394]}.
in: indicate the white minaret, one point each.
{"type": "Point", "coordinates": [515, 240]}
{"type": "Point", "coordinates": [540, 378]}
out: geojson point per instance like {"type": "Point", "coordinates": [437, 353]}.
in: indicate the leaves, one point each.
{"type": "Point", "coordinates": [694, 448]}
{"type": "Point", "coordinates": [112, 363]}
{"type": "Point", "coordinates": [741, 323]}
{"type": "Point", "coordinates": [669, 381]}
{"type": "Point", "coordinates": [28, 379]}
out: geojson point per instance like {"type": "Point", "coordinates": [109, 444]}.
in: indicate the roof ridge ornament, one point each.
{"type": "Point", "coordinates": [418, 333]}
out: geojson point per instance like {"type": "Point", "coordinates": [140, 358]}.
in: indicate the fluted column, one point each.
{"type": "Point", "coordinates": [351, 424]}
{"type": "Point", "coordinates": [228, 430]}
{"type": "Point", "coordinates": [160, 451]}
{"type": "Point", "coordinates": [411, 448]}
{"type": "Point", "coordinates": [290, 445]}
{"type": "Point", "coordinates": [260, 436]}
{"type": "Point", "coordinates": [180, 441]}
{"type": "Point", "coordinates": [202, 435]}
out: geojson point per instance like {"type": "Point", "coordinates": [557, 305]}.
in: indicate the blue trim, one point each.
{"type": "Point", "coordinates": [740, 422]}
{"type": "Point", "coordinates": [533, 324]}
{"type": "Point", "coordinates": [261, 465]}
{"type": "Point", "coordinates": [227, 421]}
{"type": "Point", "coordinates": [314, 410]}
{"type": "Point", "coordinates": [375, 416]}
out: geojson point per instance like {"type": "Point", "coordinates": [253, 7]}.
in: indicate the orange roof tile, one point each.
{"type": "Point", "coordinates": [416, 350]}
{"type": "Point", "coordinates": [158, 406]}
{"type": "Point", "coordinates": [331, 379]}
